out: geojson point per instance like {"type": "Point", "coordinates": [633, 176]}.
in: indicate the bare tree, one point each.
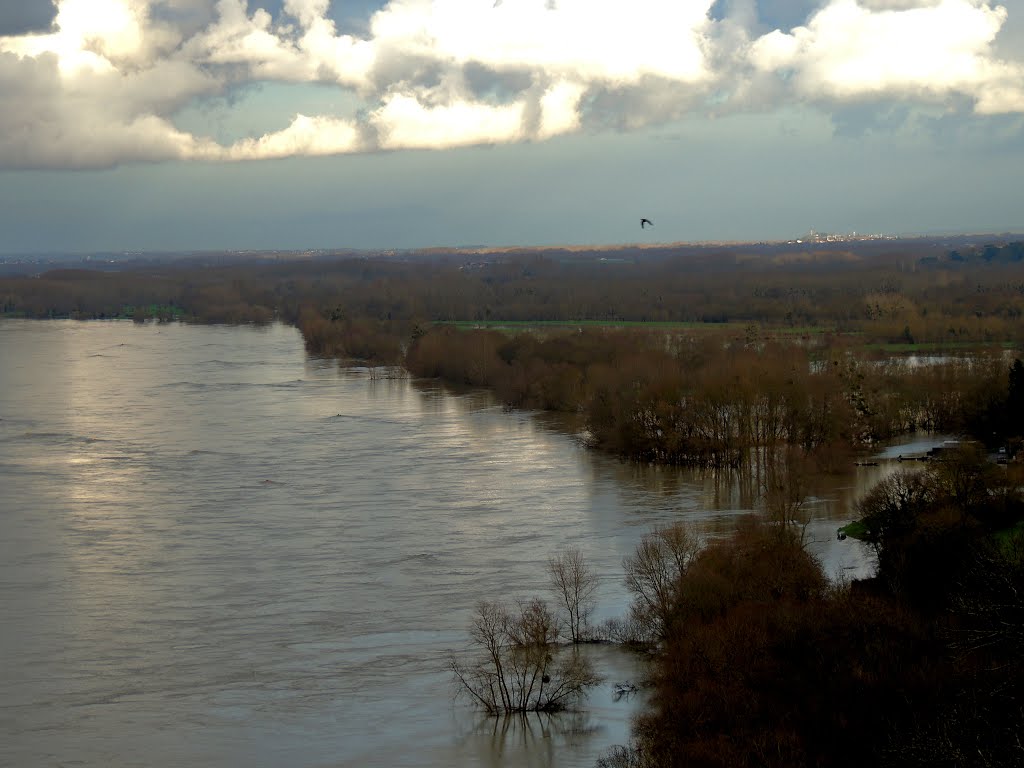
{"type": "Point", "coordinates": [518, 668]}
{"type": "Point", "coordinates": [625, 756]}
{"type": "Point", "coordinates": [784, 489]}
{"type": "Point", "coordinates": [653, 573]}
{"type": "Point", "coordinates": [575, 585]}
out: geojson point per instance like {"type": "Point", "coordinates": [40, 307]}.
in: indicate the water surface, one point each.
{"type": "Point", "coordinates": [215, 551]}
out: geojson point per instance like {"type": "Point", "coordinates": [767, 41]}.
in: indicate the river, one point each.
{"type": "Point", "coordinates": [217, 551]}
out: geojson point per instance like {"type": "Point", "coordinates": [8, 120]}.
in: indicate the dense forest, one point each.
{"type": "Point", "coordinates": [896, 293]}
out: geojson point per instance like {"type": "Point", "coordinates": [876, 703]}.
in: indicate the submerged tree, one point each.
{"type": "Point", "coordinates": [519, 667]}
{"type": "Point", "coordinates": [575, 585]}
{"type": "Point", "coordinates": [784, 488]}
{"type": "Point", "coordinates": [653, 573]}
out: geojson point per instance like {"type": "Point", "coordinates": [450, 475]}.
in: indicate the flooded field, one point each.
{"type": "Point", "coordinates": [217, 551]}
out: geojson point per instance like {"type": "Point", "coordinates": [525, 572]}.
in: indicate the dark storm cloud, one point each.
{"type": "Point", "coordinates": [620, 108]}
{"type": "Point", "coordinates": [394, 68]}
{"type": "Point", "coordinates": [188, 16]}
{"type": "Point", "coordinates": [489, 85]}
{"type": "Point", "coordinates": [19, 17]}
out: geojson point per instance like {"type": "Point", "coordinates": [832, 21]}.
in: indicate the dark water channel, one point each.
{"type": "Point", "coordinates": [215, 551]}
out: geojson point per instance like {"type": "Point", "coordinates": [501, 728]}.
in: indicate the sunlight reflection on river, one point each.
{"type": "Point", "coordinates": [216, 551]}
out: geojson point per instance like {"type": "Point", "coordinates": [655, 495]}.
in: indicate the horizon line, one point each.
{"type": "Point", "coordinates": [810, 238]}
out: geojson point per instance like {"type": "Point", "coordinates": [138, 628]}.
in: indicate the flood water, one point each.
{"type": "Point", "coordinates": [216, 551]}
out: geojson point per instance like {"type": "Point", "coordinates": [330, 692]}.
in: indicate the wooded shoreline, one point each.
{"type": "Point", "coordinates": [708, 360]}
{"type": "Point", "coordinates": [688, 357]}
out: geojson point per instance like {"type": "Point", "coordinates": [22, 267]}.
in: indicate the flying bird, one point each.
{"type": "Point", "coordinates": [645, 222]}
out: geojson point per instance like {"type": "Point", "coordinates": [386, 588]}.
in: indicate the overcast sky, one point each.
{"type": "Point", "coordinates": [290, 124]}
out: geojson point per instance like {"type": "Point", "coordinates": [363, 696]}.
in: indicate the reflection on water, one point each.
{"type": "Point", "coordinates": [914, 446]}
{"type": "Point", "coordinates": [544, 740]}
{"type": "Point", "coordinates": [215, 551]}
{"type": "Point", "coordinates": [534, 739]}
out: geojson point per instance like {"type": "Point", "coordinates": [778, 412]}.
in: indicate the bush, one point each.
{"type": "Point", "coordinates": [518, 667]}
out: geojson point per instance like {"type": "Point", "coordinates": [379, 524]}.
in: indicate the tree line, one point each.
{"type": "Point", "coordinates": [737, 373]}
{"type": "Point", "coordinates": [710, 399]}
{"type": "Point", "coordinates": [887, 294]}
{"type": "Point", "coordinates": [757, 658]}
{"type": "Point", "coordinates": [765, 662]}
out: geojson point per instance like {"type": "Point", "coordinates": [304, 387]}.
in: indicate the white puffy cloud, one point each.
{"type": "Point", "coordinates": [100, 34]}
{"type": "Point", "coordinates": [924, 48]}
{"type": "Point", "coordinates": [97, 91]}
{"type": "Point", "coordinates": [313, 51]}
{"type": "Point", "coordinates": [45, 124]}
{"type": "Point", "coordinates": [305, 136]}
{"type": "Point", "coordinates": [79, 110]}
{"type": "Point", "coordinates": [603, 40]}
{"type": "Point", "coordinates": [308, 12]}
{"type": "Point", "coordinates": [560, 110]}
{"type": "Point", "coordinates": [404, 123]}
{"type": "Point", "coordinates": [104, 84]}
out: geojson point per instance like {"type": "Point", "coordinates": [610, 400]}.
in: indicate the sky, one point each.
{"type": "Point", "coordinates": [184, 125]}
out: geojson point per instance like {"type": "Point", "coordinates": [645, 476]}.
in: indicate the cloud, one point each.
{"type": "Point", "coordinates": [43, 125]}
{"type": "Point", "coordinates": [928, 49]}
{"type": "Point", "coordinates": [307, 50]}
{"type": "Point", "coordinates": [308, 136]}
{"type": "Point", "coordinates": [597, 40]}
{"type": "Point", "coordinates": [102, 85]}
{"type": "Point", "coordinates": [404, 123]}
{"type": "Point", "coordinates": [82, 112]}
{"type": "Point", "coordinates": [559, 110]}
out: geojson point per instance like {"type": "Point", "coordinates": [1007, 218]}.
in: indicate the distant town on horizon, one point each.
{"type": "Point", "coordinates": [952, 239]}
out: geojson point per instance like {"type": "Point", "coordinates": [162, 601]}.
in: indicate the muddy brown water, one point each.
{"type": "Point", "coordinates": [216, 551]}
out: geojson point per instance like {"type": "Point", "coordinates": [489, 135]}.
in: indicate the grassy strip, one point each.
{"type": "Point", "coordinates": [669, 325]}
{"type": "Point", "coordinates": [1008, 538]}
{"type": "Point", "coordinates": [855, 530]}
{"type": "Point", "coordinates": [936, 346]}
{"type": "Point", "coordinates": [807, 330]}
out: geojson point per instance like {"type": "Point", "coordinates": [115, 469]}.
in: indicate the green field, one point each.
{"type": "Point", "coordinates": [937, 346]}
{"type": "Point", "coordinates": [525, 325]}
{"type": "Point", "coordinates": [855, 530]}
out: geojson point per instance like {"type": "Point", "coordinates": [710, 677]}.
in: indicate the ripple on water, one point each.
{"type": "Point", "coordinates": [215, 551]}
